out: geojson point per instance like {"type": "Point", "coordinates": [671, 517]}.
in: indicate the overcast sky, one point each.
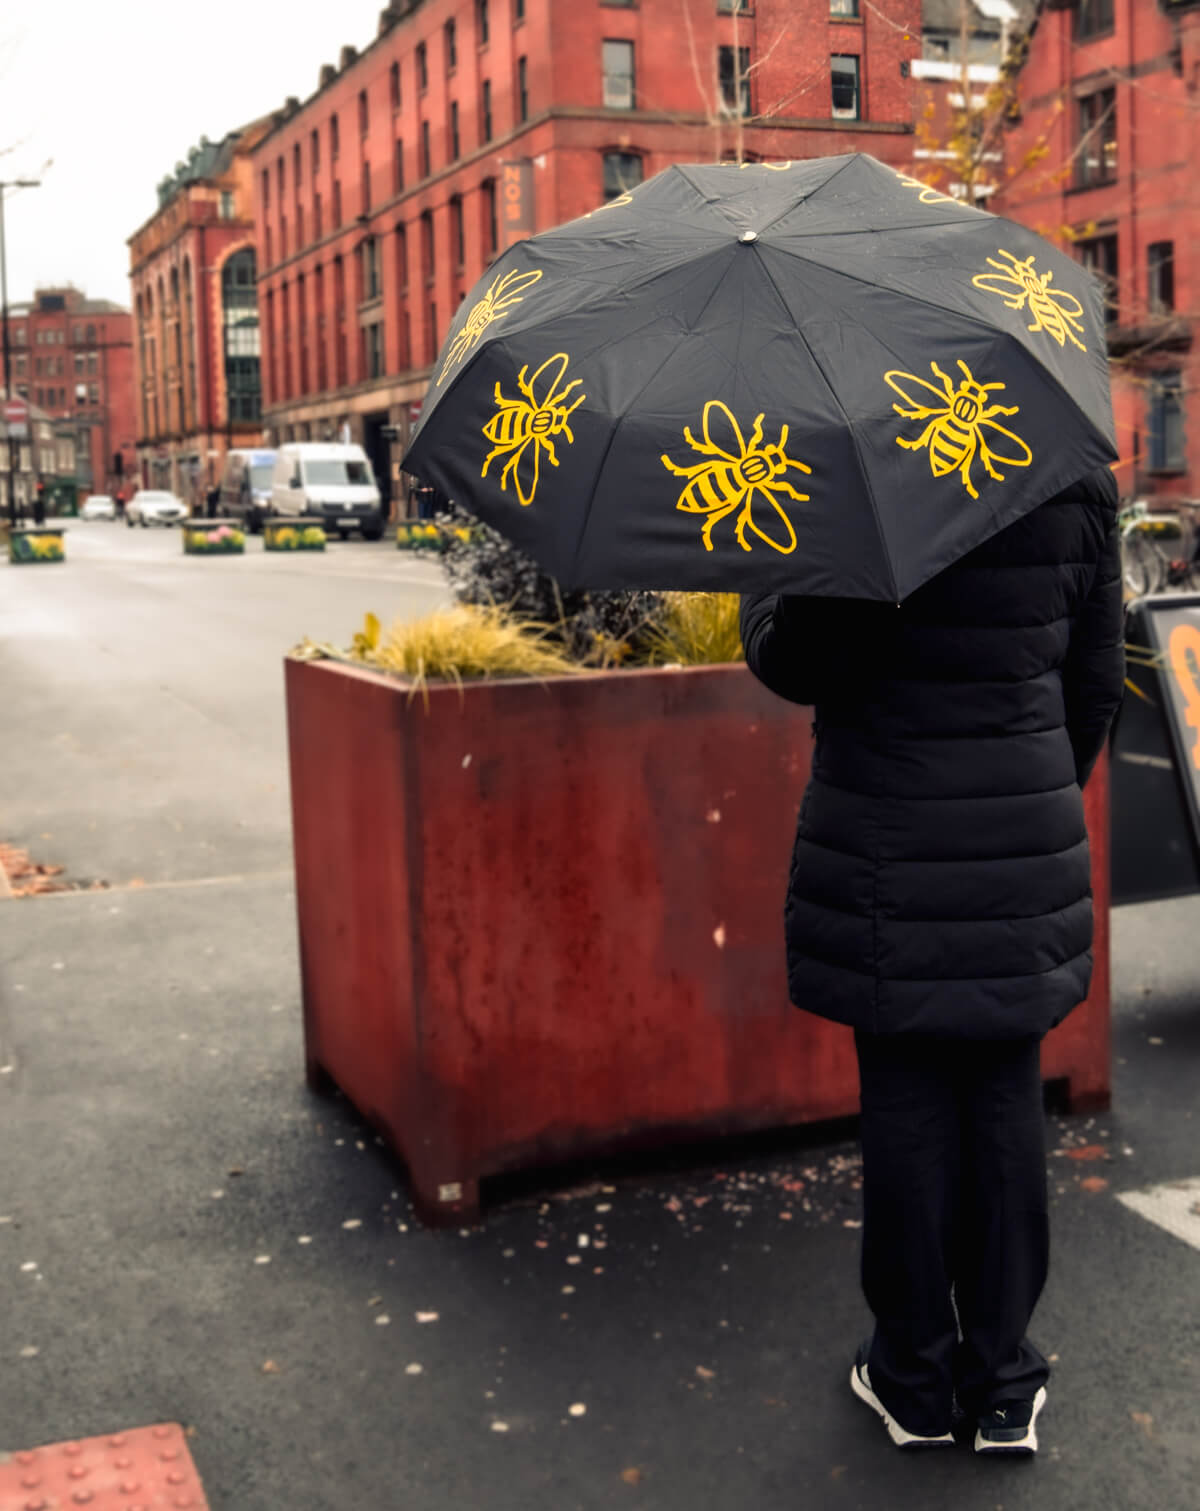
{"type": "Point", "coordinates": [116, 94]}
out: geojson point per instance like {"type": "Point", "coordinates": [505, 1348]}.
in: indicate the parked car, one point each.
{"type": "Point", "coordinates": [330, 482]}
{"type": "Point", "coordinates": [154, 506]}
{"type": "Point", "coordinates": [246, 487]}
{"type": "Point", "coordinates": [97, 506]}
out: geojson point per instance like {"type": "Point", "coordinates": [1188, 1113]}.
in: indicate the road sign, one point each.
{"type": "Point", "coordinates": [1156, 755]}
{"type": "Point", "coordinates": [16, 418]}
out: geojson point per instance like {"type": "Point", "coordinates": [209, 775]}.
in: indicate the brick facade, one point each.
{"type": "Point", "coordinates": [73, 357]}
{"type": "Point", "coordinates": [1123, 195]}
{"type": "Point", "coordinates": [193, 267]}
{"type": "Point", "coordinates": [380, 200]}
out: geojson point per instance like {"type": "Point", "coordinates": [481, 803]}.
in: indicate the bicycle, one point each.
{"type": "Point", "coordinates": [1146, 566]}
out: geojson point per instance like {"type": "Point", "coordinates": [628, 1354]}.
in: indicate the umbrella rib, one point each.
{"type": "Point", "coordinates": [620, 419]}
{"type": "Point", "coordinates": [866, 477]}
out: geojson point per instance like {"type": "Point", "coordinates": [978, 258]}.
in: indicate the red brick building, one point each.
{"type": "Point", "coordinates": [193, 267]}
{"type": "Point", "coordinates": [73, 357]}
{"type": "Point", "coordinates": [384, 196]}
{"type": "Point", "coordinates": [1120, 186]}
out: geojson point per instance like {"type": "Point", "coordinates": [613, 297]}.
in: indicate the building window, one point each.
{"type": "Point", "coordinates": [93, 393]}
{"type": "Point", "coordinates": [1096, 160]}
{"type": "Point", "coordinates": [522, 89]}
{"type": "Point", "coordinates": [427, 247]}
{"type": "Point", "coordinates": [425, 157]}
{"type": "Point", "coordinates": [1160, 292]}
{"type": "Point", "coordinates": [485, 111]}
{"type": "Point", "coordinates": [733, 72]}
{"type": "Point", "coordinates": [398, 167]}
{"type": "Point", "coordinates": [77, 333]}
{"type": "Point", "coordinates": [317, 224]}
{"type": "Point", "coordinates": [843, 8]}
{"type": "Point", "coordinates": [92, 359]}
{"type": "Point", "coordinates": [518, 11]}
{"type": "Point", "coordinates": [622, 172]}
{"type": "Point", "coordinates": [366, 188]}
{"type": "Point", "coordinates": [450, 34]}
{"type": "Point", "coordinates": [422, 67]}
{"type": "Point", "coordinates": [457, 237]}
{"type": "Point", "coordinates": [370, 269]}
{"type": "Point", "coordinates": [225, 207]}
{"type": "Point", "coordinates": [847, 105]}
{"type": "Point", "coordinates": [401, 258]}
{"type": "Point", "coordinates": [266, 189]}
{"type": "Point", "coordinates": [337, 203]}
{"type": "Point", "coordinates": [299, 226]}
{"type": "Point", "coordinates": [335, 139]}
{"type": "Point", "coordinates": [283, 239]}
{"type": "Point", "coordinates": [267, 248]}
{"type": "Point", "coordinates": [314, 152]}
{"type": "Point", "coordinates": [491, 226]}
{"type": "Point", "coordinates": [78, 364]}
{"type": "Point", "coordinates": [619, 93]}
{"type": "Point", "coordinates": [1100, 256]}
{"type": "Point", "coordinates": [394, 85]}
{"type": "Point", "coordinates": [455, 151]}
{"type": "Point", "coordinates": [431, 339]}
{"type": "Point", "coordinates": [733, 7]}
{"type": "Point", "coordinates": [1165, 421]}
{"type": "Point", "coordinates": [239, 309]}
{"type": "Point", "coordinates": [373, 335]}
{"type": "Point", "coordinates": [280, 175]}
{"type": "Point", "coordinates": [481, 21]}
{"type": "Point", "coordinates": [1093, 18]}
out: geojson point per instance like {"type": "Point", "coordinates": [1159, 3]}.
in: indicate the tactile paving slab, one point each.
{"type": "Point", "coordinates": [144, 1469]}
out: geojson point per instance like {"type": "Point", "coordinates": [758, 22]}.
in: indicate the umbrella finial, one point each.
{"type": "Point", "coordinates": [748, 236]}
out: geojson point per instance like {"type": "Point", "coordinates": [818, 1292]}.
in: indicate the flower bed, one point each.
{"type": "Point", "coordinates": [213, 538]}
{"type": "Point", "coordinates": [293, 535]}
{"type": "Point", "coordinates": [34, 543]}
{"type": "Point", "coordinates": [425, 535]}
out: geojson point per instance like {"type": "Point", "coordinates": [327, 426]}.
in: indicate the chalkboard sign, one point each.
{"type": "Point", "coordinates": [1156, 755]}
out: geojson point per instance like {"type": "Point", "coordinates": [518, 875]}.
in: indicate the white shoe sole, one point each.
{"type": "Point", "coordinates": [899, 1435]}
{"type": "Point", "coordinates": [1027, 1444]}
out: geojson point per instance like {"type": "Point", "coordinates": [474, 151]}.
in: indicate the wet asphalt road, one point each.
{"type": "Point", "coordinates": [186, 1233]}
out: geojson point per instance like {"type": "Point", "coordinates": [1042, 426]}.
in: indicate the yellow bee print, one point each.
{"type": "Point", "coordinates": [504, 291]}
{"type": "Point", "coordinates": [774, 167]}
{"type": "Point", "coordinates": [1054, 310]}
{"type": "Point", "coordinates": [523, 427]}
{"type": "Point", "coordinates": [955, 433]}
{"type": "Point", "coordinates": [928, 195]}
{"type": "Point", "coordinates": [736, 476]}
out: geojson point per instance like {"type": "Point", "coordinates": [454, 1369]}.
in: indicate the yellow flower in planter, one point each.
{"type": "Point", "coordinates": [286, 538]}
{"type": "Point", "coordinates": [313, 535]}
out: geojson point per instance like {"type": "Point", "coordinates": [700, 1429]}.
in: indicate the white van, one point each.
{"type": "Point", "coordinates": [327, 481]}
{"type": "Point", "coordinates": [246, 484]}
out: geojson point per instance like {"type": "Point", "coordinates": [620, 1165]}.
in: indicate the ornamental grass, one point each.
{"type": "Point", "coordinates": [695, 629]}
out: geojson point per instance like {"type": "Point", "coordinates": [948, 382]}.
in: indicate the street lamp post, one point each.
{"type": "Point", "coordinates": [6, 184]}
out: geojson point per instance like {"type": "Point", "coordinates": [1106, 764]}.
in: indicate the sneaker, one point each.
{"type": "Point", "coordinates": [1011, 1428]}
{"type": "Point", "coordinates": [860, 1384]}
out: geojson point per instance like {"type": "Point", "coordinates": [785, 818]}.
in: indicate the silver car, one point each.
{"type": "Point", "coordinates": [98, 506]}
{"type": "Point", "coordinates": [153, 506]}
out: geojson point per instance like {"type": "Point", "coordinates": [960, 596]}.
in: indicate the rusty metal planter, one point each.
{"type": "Point", "coordinates": [544, 920]}
{"type": "Point", "coordinates": [28, 544]}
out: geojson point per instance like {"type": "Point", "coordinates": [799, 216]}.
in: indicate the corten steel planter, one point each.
{"type": "Point", "coordinates": [28, 544]}
{"type": "Point", "coordinates": [539, 921]}
{"type": "Point", "coordinates": [293, 535]}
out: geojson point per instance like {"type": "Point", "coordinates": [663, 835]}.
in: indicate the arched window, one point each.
{"type": "Point", "coordinates": [239, 319]}
{"type": "Point", "coordinates": [189, 344]}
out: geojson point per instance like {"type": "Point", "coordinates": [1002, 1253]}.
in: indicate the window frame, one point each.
{"type": "Point", "coordinates": [1093, 252]}
{"type": "Point", "coordinates": [1092, 172]}
{"type": "Point", "coordinates": [610, 156]}
{"type": "Point", "coordinates": [844, 113]}
{"type": "Point", "coordinates": [609, 96]}
{"type": "Point", "coordinates": [1094, 19]}
{"type": "Point", "coordinates": [739, 75]}
{"type": "Point", "coordinates": [1160, 387]}
{"type": "Point", "coordinates": [1160, 277]}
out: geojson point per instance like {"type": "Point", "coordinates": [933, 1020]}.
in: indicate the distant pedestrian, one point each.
{"type": "Point", "coordinates": [213, 498]}
{"type": "Point", "coordinates": [939, 902]}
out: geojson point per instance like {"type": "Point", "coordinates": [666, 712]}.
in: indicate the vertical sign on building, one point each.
{"type": "Point", "coordinates": [516, 201]}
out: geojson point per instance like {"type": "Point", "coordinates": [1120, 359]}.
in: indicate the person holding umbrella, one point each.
{"type": "Point", "coordinates": [884, 418]}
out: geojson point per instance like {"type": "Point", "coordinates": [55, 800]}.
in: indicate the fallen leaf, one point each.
{"type": "Point", "coordinates": [270, 1367]}
{"type": "Point", "coordinates": [706, 1374]}
{"type": "Point", "coordinates": [632, 1476]}
{"type": "Point", "coordinates": [1088, 1152]}
{"type": "Point", "coordinates": [426, 1316]}
{"type": "Point", "coordinates": [1094, 1183]}
{"type": "Point", "coordinates": [1145, 1421]}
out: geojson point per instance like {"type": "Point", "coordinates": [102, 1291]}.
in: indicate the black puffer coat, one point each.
{"type": "Point", "coordinates": [940, 880]}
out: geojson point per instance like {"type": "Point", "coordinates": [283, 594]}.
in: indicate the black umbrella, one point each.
{"type": "Point", "coordinates": [818, 377]}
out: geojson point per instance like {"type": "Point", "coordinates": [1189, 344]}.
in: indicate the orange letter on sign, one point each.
{"type": "Point", "coordinates": [1185, 638]}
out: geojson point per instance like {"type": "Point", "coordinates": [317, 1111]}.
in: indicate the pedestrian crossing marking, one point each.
{"type": "Point", "coordinates": [1174, 1205]}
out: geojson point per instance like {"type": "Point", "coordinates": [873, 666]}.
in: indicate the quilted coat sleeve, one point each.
{"type": "Point", "coordinates": [1094, 671]}
{"type": "Point", "coordinates": [789, 645]}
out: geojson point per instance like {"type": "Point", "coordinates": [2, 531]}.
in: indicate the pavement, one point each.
{"type": "Point", "coordinates": [188, 1234]}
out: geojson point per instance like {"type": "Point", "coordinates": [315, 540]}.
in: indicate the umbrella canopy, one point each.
{"type": "Point", "coordinates": [813, 377]}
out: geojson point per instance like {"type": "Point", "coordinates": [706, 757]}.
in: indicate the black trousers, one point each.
{"type": "Point", "coordinates": [955, 1223]}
